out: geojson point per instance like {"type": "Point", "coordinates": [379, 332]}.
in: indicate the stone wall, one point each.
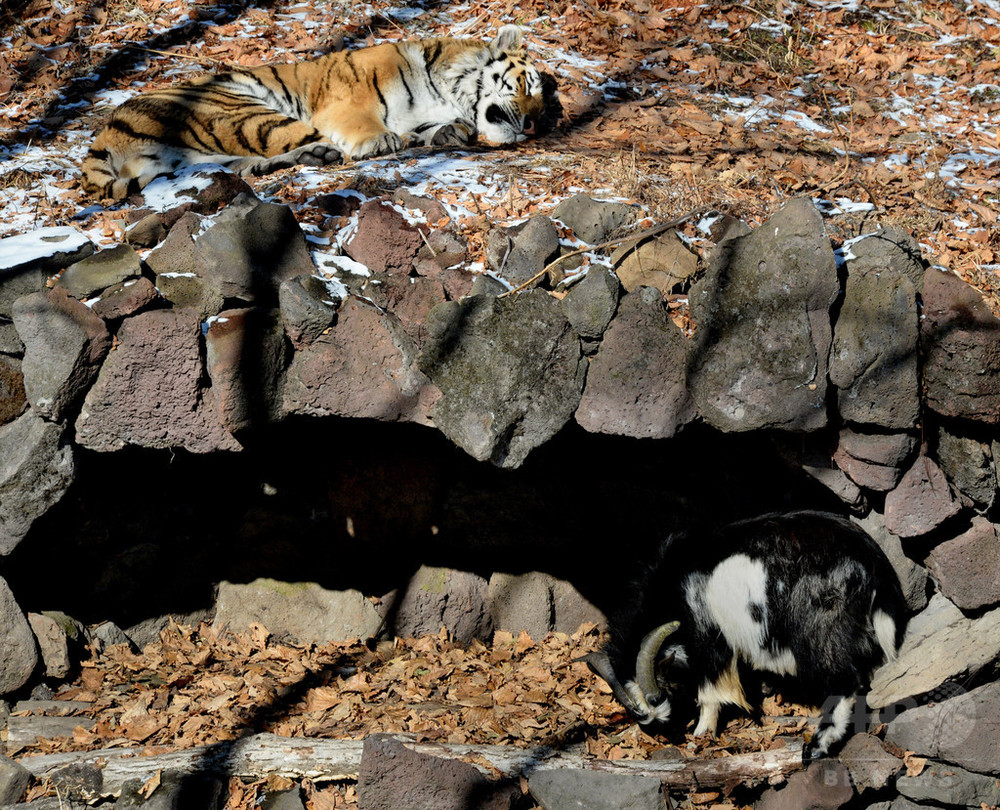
{"type": "Point", "coordinates": [863, 372]}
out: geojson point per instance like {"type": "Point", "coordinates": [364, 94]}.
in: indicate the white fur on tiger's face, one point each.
{"type": "Point", "coordinates": [355, 104]}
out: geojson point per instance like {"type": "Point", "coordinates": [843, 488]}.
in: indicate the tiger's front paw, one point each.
{"type": "Point", "coordinates": [457, 133]}
{"type": "Point", "coordinates": [385, 143]}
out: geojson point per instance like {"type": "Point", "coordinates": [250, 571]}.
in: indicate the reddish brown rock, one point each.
{"type": "Point", "coordinates": [12, 398]}
{"type": "Point", "coordinates": [967, 568]}
{"type": "Point", "coordinates": [148, 392]}
{"type": "Point", "coordinates": [364, 368]}
{"type": "Point", "coordinates": [921, 502]}
{"type": "Point", "coordinates": [960, 338]}
{"type": "Point", "coordinates": [126, 299]}
{"type": "Point", "coordinates": [384, 242]}
{"type": "Point", "coordinates": [409, 298]}
{"type": "Point", "coordinates": [874, 460]}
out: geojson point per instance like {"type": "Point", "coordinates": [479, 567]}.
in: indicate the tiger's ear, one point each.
{"type": "Point", "coordinates": [508, 38]}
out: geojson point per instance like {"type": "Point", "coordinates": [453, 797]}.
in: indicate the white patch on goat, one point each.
{"type": "Point", "coordinates": [727, 688]}
{"type": "Point", "coordinates": [840, 719]}
{"type": "Point", "coordinates": [734, 587]}
{"type": "Point", "coordinates": [885, 632]}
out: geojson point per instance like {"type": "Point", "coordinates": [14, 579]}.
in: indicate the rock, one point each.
{"type": "Point", "coordinates": [439, 597]}
{"type": "Point", "coordinates": [921, 502]}
{"type": "Point", "coordinates": [967, 568]}
{"type": "Point", "coordinates": [139, 399]}
{"type": "Point", "coordinates": [126, 299]}
{"type": "Point", "coordinates": [824, 785]}
{"type": "Point", "coordinates": [521, 602]}
{"type": "Point", "coordinates": [572, 609]}
{"type": "Point", "coordinates": [912, 576]}
{"type": "Point", "coordinates": [384, 241]}
{"type": "Point", "coordinates": [36, 469]}
{"type": "Point", "coordinates": [283, 800]}
{"type": "Point", "coordinates": [27, 260]}
{"type": "Point", "coordinates": [176, 790]}
{"type": "Point", "coordinates": [302, 612]}
{"type": "Point", "coordinates": [14, 781]}
{"type": "Point", "coordinates": [53, 645]}
{"type": "Point", "coordinates": [592, 302]}
{"type": "Point", "coordinates": [245, 357]}
{"type": "Point", "coordinates": [873, 361]}
{"type": "Point", "coordinates": [533, 245]}
{"type": "Point", "coordinates": [636, 382]}
{"type": "Point", "coordinates": [13, 399]}
{"type": "Point", "coordinates": [890, 250]}
{"type": "Point", "coordinates": [64, 346]}
{"type": "Point", "coordinates": [940, 646]}
{"type": "Point", "coordinates": [147, 232]}
{"type": "Point", "coordinates": [485, 284]}
{"type": "Point", "coordinates": [10, 343]}
{"type": "Point", "coordinates": [813, 455]}
{"type": "Point", "coordinates": [444, 249]}
{"type": "Point", "coordinates": [594, 221]}
{"type": "Point", "coordinates": [963, 730]}
{"type": "Point", "coordinates": [661, 261]}
{"type": "Point", "coordinates": [392, 777]}
{"type": "Point", "coordinates": [968, 463]}
{"type": "Point", "coordinates": [594, 790]}
{"type": "Point", "coordinates": [410, 299]}
{"type": "Point", "coordinates": [510, 371]}
{"type": "Point", "coordinates": [960, 340]}
{"type": "Point", "coordinates": [902, 803]}
{"type": "Point", "coordinates": [759, 355]}
{"type": "Point", "coordinates": [364, 368]}
{"type": "Point", "coordinates": [100, 271]}
{"type": "Point", "coordinates": [148, 630]}
{"type": "Point", "coordinates": [108, 634]}
{"type": "Point", "coordinates": [871, 766]}
{"type": "Point", "coordinates": [307, 309]}
{"type": "Point", "coordinates": [244, 253]}
{"type": "Point", "coordinates": [432, 210]}
{"type": "Point", "coordinates": [874, 460]}
{"type": "Point", "coordinates": [951, 785]}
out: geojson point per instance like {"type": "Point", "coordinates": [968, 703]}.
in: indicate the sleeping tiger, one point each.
{"type": "Point", "coordinates": [362, 103]}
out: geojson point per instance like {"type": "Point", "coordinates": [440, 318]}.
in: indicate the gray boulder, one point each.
{"type": "Point", "coordinates": [824, 785]}
{"type": "Point", "coordinates": [245, 357]}
{"type": "Point", "coordinates": [14, 781]}
{"type": "Point", "coordinates": [392, 777]}
{"type": "Point", "coordinates": [967, 567]}
{"type": "Point", "coordinates": [100, 271]}
{"type": "Point", "coordinates": [662, 261]}
{"type": "Point", "coordinates": [921, 501]}
{"type": "Point", "coordinates": [873, 361]}
{"type": "Point", "coordinates": [940, 644]}
{"type": "Point", "coordinates": [871, 766]}
{"type": "Point", "coordinates": [64, 346]}
{"type": "Point", "coordinates": [302, 612]}
{"type": "Point", "coordinates": [951, 785]}
{"type": "Point", "coordinates": [439, 597]}
{"type": "Point", "coordinates": [53, 645]}
{"type": "Point", "coordinates": [812, 454]}
{"type": "Point", "coordinates": [969, 465]}
{"type": "Point", "coordinates": [10, 343]}
{"type": "Point", "coordinates": [365, 368]}
{"type": "Point", "coordinates": [594, 221]}
{"type": "Point", "coordinates": [890, 250]}
{"type": "Point", "coordinates": [307, 309]}
{"type": "Point", "coordinates": [27, 260]}
{"type": "Point", "coordinates": [510, 371]}
{"type": "Point", "coordinates": [636, 382]}
{"type": "Point", "coordinates": [594, 790]}
{"type": "Point", "coordinates": [521, 602]}
{"type": "Point", "coordinates": [592, 302]}
{"type": "Point", "coordinates": [141, 399]}
{"type": "Point", "coordinates": [20, 655]}
{"type": "Point", "coordinates": [960, 341]}
{"type": "Point", "coordinates": [177, 790]}
{"type": "Point", "coordinates": [963, 730]}
{"type": "Point", "coordinates": [912, 576]}
{"type": "Point", "coordinates": [532, 246]}
{"type": "Point", "coordinates": [36, 469]}
{"type": "Point", "coordinates": [759, 355]}
{"type": "Point", "coordinates": [874, 460]}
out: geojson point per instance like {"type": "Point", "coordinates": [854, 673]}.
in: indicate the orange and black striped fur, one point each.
{"type": "Point", "coordinates": [358, 104]}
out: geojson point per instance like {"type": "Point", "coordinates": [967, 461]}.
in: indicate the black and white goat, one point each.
{"type": "Point", "coordinates": [807, 596]}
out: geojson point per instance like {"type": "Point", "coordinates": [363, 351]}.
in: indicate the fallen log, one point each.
{"type": "Point", "coordinates": [323, 760]}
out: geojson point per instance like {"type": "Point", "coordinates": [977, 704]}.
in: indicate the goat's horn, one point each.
{"type": "Point", "coordinates": [600, 665]}
{"type": "Point", "coordinates": [645, 662]}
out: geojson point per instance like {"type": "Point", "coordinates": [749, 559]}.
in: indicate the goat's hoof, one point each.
{"type": "Point", "coordinates": [810, 753]}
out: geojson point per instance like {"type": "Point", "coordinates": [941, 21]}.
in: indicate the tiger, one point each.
{"type": "Point", "coordinates": [355, 104]}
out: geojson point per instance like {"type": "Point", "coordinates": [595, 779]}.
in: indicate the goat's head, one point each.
{"type": "Point", "coordinates": [643, 697]}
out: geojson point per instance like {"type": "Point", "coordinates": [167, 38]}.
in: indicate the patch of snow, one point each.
{"type": "Point", "coordinates": [29, 247]}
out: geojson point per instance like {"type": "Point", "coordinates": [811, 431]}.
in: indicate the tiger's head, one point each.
{"type": "Point", "coordinates": [510, 102]}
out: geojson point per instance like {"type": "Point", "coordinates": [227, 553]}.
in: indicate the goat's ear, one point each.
{"type": "Point", "coordinates": [508, 38]}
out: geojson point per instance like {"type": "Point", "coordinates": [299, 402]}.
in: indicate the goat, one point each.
{"type": "Point", "coordinates": [806, 595]}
